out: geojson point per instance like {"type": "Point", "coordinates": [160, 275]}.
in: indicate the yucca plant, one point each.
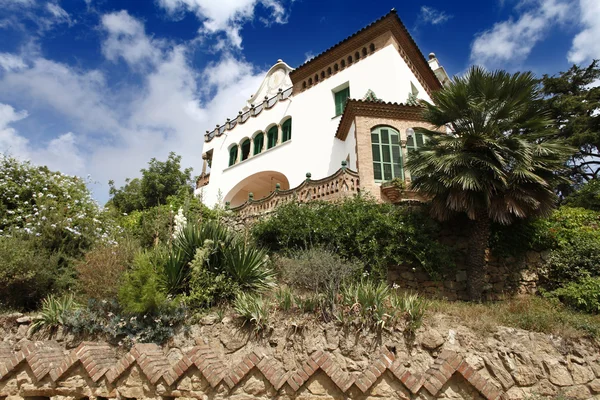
{"type": "Point", "coordinates": [248, 266]}
{"type": "Point", "coordinates": [285, 298]}
{"type": "Point", "coordinates": [496, 165]}
{"type": "Point", "coordinates": [253, 308]}
{"type": "Point", "coordinates": [413, 307]}
{"type": "Point", "coordinates": [367, 299]}
{"type": "Point", "coordinates": [53, 313]}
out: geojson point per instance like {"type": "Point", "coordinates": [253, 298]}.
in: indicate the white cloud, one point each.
{"type": "Point", "coordinates": [511, 41]}
{"type": "Point", "coordinates": [45, 15]}
{"type": "Point", "coordinates": [586, 45]}
{"type": "Point", "coordinates": [226, 16]}
{"type": "Point", "coordinates": [127, 39]}
{"type": "Point", "coordinates": [59, 14]}
{"type": "Point", "coordinates": [10, 62]}
{"type": "Point", "coordinates": [60, 153]}
{"type": "Point", "coordinates": [118, 129]}
{"type": "Point", "coordinates": [432, 16]}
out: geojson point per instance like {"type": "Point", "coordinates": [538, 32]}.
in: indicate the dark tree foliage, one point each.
{"type": "Point", "coordinates": [493, 167]}
{"type": "Point", "coordinates": [159, 181]}
{"type": "Point", "coordinates": [575, 106]}
{"type": "Point", "coordinates": [588, 196]}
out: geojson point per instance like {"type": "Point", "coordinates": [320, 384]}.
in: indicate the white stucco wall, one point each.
{"type": "Point", "coordinates": [313, 147]}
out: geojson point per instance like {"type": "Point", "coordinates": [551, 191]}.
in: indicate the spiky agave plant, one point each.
{"type": "Point", "coordinates": [54, 311]}
{"type": "Point", "coordinates": [248, 266]}
{"type": "Point", "coordinates": [496, 165]}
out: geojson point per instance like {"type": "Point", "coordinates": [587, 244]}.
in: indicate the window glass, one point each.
{"type": "Point", "coordinates": [387, 154]}
{"type": "Point", "coordinates": [245, 149]}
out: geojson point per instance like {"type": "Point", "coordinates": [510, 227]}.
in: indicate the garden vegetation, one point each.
{"type": "Point", "coordinates": [154, 258]}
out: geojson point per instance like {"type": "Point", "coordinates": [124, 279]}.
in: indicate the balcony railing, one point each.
{"type": "Point", "coordinates": [244, 116]}
{"type": "Point", "coordinates": [342, 183]}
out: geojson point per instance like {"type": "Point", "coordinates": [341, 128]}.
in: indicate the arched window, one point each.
{"type": "Point", "coordinates": [286, 130]}
{"type": "Point", "coordinates": [349, 60]}
{"type": "Point", "coordinates": [259, 141]}
{"type": "Point", "coordinates": [233, 155]}
{"type": "Point", "coordinates": [309, 81]}
{"type": "Point", "coordinates": [272, 137]}
{"type": "Point", "coordinates": [414, 140]}
{"type": "Point", "coordinates": [372, 47]}
{"type": "Point", "coordinates": [322, 74]}
{"type": "Point", "coordinates": [357, 56]}
{"type": "Point", "coordinates": [329, 71]}
{"type": "Point", "coordinates": [387, 154]}
{"type": "Point", "coordinates": [316, 78]}
{"type": "Point", "coordinates": [343, 63]}
{"type": "Point", "coordinates": [364, 51]}
{"type": "Point", "coordinates": [335, 67]}
{"type": "Point", "coordinates": [245, 149]}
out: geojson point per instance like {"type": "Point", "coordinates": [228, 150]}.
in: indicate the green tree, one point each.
{"type": "Point", "coordinates": [492, 166]}
{"type": "Point", "coordinates": [574, 102]}
{"type": "Point", "coordinates": [588, 196]}
{"type": "Point", "coordinates": [159, 181]}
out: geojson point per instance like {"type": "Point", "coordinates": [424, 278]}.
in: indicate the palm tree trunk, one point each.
{"type": "Point", "coordinates": [478, 243]}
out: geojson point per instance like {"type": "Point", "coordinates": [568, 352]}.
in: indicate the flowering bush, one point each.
{"type": "Point", "coordinates": [54, 207]}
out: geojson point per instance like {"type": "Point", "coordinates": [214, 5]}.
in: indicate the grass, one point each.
{"type": "Point", "coordinates": [531, 313]}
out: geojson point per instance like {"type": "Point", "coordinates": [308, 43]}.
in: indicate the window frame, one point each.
{"type": "Point", "coordinates": [396, 169]}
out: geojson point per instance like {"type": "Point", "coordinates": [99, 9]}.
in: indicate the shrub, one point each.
{"type": "Point", "coordinates": [105, 319]}
{"type": "Point", "coordinates": [99, 274]}
{"type": "Point", "coordinates": [142, 290]}
{"type": "Point", "coordinates": [317, 270]}
{"type": "Point", "coordinates": [253, 309]}
{"type": "Point", "coordinates": [27, 274]}
{"type": "Point", "coordinates": [379, 235]}
{"type": "Point", "coordinates": [53, 313]}
{"type": "Point", "coordinates": [583, 295]}
{"type": "Point", "coordinates": [206, 287]}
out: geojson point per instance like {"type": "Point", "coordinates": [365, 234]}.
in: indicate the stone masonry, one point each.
{"type": "Point", "coordinates": [92, 370]}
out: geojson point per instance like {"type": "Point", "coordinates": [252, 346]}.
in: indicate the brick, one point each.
{"type": "Point", "coordinates": [293, 384]}
{"type": "Point", "coordinates": [252, 357]}
{"type": "Point", "coordinates": [379, 366]}
{"type": "Point", "coordinates": [309, 370]}
{"type": "Point", "coordinates": [303, 375]}
{"type": "Point", "coordinates": [326, 364]}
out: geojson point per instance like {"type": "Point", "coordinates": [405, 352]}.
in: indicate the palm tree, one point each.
{"type": "Point", "coordinates": [493, 164]}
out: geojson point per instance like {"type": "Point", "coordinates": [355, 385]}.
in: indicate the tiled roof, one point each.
{"type": "Point", "coordinates": [397, 28]}
{"type": "Point", "coordinates": [376, 108]}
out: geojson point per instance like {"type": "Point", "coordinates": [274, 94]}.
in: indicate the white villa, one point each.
{"type": "Point", "coordinates": [340, 123]}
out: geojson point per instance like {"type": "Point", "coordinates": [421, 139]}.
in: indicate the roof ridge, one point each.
{"type": "Point", "coordinates": [392, 11]}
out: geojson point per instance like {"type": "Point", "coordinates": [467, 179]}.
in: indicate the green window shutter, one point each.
{"type": "Point", "coordinates": [258, 143]}
{"type": "Point", "coordinates": [272, 137]}
{"type": "Point", "coordinates": [286, 130]}
{"type": "Point", "coordinates": [233, 152]}
{"type": "Point", "coordinates": [340, 100]}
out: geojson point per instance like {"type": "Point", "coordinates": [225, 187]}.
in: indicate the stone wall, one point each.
{"type": "Point", "coordinates": [504, 276]}
{"type": "Point", "coordinates": [439, 363]}
{"type": "Point", "coordinates": [92, 370]}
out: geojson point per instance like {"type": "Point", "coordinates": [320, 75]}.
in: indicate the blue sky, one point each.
{"type": "Point", "coordinates": [99, 87]}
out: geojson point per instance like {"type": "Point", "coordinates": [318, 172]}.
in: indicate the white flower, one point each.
{"type": "Point", "coordinates": [16, 196]}
{"type": "Point", "coordinates": [180, 223]}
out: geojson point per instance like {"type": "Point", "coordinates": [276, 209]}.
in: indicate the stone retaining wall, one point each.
{"type": "Point", "coordinates": [92, 370]}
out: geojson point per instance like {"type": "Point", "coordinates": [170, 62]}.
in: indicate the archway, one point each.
{"type": "Point", "coordinates": [260, 185]}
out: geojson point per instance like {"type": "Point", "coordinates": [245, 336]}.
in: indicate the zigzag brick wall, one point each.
{"type": "Point", "coordinates": [92, 370]}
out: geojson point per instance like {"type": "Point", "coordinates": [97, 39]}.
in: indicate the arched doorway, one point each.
{"type": "Point", "coordinates": [260, 185]}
